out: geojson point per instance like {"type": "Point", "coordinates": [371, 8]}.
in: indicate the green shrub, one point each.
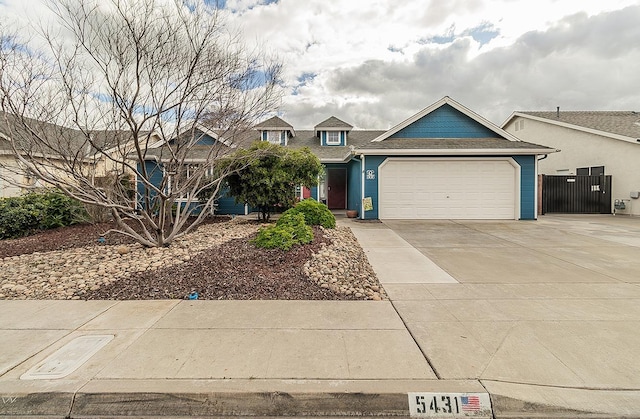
{"type": "Point", "coordinates": [287, 232]}
{"type": "Point", "coordinates": [23, 215]}
{"type": "Point", "coordinates": [274, 237]}
{"type": "Point", "coordinates": [315, 213]}
{"type": "Point", "coordinates": [302, 233]}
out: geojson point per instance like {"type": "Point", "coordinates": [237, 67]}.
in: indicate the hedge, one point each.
{"type": "Point", "coordinates": [26, 214]}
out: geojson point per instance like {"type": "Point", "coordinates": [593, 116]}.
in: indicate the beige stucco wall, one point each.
{"type": "Point", "coordinates": [581, 149]}
{"type": "Point", "coordinates": [7, 189]}
{"type": "Point", "coordinates": [12, 178]}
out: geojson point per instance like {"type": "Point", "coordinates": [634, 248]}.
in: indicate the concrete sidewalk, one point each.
{"type": "Point", "coordinates": [213, 358]}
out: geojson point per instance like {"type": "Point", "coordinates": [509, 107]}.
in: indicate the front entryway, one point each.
{"type": "Point", "coordinates": [337, 188]}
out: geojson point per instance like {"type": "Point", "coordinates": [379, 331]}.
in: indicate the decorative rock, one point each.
{"type": "Point", "coordinates": [122, 250]}
{"type": "Point", "coordinates": [340, 266]}
{"type": "Point", "coordinates": [71, 272]}
{"type": "Point", "coordinates": [344, 266]}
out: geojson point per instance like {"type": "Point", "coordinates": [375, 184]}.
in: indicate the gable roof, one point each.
{"type": "Point", "coordinates": [620, 125]}
{"type": "Point", "coordinates": [274, 123]}
{"type": "Point", "coordinates": [448, 101]}
{"type": "Point", "coordinates": [225, 141]}
{"type": "Point", "coordinates": [333, 123]}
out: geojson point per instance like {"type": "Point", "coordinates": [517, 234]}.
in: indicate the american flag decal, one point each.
{"type": "Point", "coordinates": [470, 403]}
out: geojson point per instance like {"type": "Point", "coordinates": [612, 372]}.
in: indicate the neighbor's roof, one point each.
{"type": "Point", "coordinates": [56, 139]}
{"type": "Point", "coordinates": [333, 122]}
{"type": "Point", "coordinates": [624, 123]}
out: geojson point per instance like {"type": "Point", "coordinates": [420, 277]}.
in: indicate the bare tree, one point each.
{"type": "Point", "coordinates": [128, 89]}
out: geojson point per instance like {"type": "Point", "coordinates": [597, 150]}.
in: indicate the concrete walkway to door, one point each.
{"type": "Point", "coordinates": [545, 314]}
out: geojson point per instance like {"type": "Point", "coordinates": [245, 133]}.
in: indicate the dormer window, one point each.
{"type": "Point", "coordinates": [333, 132]}
{"type": "Point", "coordinates": [275, 131]}
{"type": "Point", "coordinates": [274, 137]}
{"type": "Point", "coordinates": [333, 137]}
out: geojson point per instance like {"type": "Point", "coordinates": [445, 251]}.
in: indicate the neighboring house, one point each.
{"type": "Point", "coordinates": [591, 143]}
{"type": "Point", "coordinates": [67, 146]}
{"type": "Point", "coordinates": [445, 162]}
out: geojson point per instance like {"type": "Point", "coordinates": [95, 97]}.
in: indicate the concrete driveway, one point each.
{"type": "Point", "coordinates": [545, 311]}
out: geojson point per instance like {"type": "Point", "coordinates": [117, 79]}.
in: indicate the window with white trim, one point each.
{"type": "Point", "coordinates": [333, 137]}
{"type": "Point", "coordinates": [176, 179]}
{"type": "Point", "coordinates": [273, 137]}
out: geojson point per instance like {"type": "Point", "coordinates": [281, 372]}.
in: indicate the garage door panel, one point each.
{"type": "Point", "coordinates": [447, 189]}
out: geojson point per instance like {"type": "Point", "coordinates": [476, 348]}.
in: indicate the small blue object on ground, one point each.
{"type": "Point", "coordinates": [193, 296]}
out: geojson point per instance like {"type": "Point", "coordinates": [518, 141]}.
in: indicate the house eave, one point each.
{"type": "Point", "coordinates": [333, 129]}
{"type": "Point", "coordinates": [455, 152]}
{"type": "Point", "coordinates": [335, 160]}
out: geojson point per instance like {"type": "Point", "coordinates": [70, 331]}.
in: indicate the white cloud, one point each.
{"type": "Point", "coordinates": [375, 62]}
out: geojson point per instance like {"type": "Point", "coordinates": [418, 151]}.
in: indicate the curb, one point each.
{"type": "Point", "coordinates": [256, 404]}
{"type": "Point", "coordinates": [239, 404]}
{"type": "Point", "coordinates": [46, 404]}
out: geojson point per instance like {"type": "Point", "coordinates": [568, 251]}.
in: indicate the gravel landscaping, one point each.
{"type": "Point", "coordinates": [217, 261]}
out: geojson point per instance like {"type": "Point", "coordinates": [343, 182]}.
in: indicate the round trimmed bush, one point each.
{"type": "Point", "coordinates": [287, 232]}
{"type": "Point", "coordinates": [315, 213]}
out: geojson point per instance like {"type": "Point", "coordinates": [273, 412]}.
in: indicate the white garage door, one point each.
{"type": "Point", "coordinates": [447, 189]}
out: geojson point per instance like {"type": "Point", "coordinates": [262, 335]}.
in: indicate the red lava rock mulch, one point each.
{"type": "Point", "coordinates": [235, 270]}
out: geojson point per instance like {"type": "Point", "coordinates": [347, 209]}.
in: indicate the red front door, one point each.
{"type": "Point", "coordinates": [337, 188]}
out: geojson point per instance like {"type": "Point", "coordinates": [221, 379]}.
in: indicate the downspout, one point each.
{"type": "Point", "coordinates": [362, 188]}
{"type": "Point", "coordinates": [536, 191]}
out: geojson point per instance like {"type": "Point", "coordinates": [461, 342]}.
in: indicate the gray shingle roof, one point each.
{"type": "Point", "coordinates": [449, 143]}
{"type": "Point", "coordinates": [53, 139]}
{"type": "Point", "coordinates": [274, 122]}
{"type": "Point", "coordinates": [239, 139]}
{"type": "Point", "coordinates": [355, 138]}
{"type": "Point", "coordinates": [333, 122]}
{"type": "Point", "coordinates": [614, 122]}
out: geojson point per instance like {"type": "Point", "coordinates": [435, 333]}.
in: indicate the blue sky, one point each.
{"type": "Point", "coordinates": [373, 63]}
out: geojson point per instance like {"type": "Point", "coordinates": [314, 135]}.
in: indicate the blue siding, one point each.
{"type": "Point", "coordinates": [371, 185]}
{"type": "Point", "coordinates": [227, 206]}
{"type": "Point", "coordinates": [206, 140]}
{"type": "Point", "coordinates": [314, 192]}
{"type": "Point", "coordinates": [445, 122]}
{"type": "Point", "coordinates": [527, 186]}
{"type": "Point", "coordinates": [354, 178]}
{"type": "Point", "coordinates": [154, 171]}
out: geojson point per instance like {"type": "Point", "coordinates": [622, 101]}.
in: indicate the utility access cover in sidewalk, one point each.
{"type": "Point", "coordinates": [67, 359]}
